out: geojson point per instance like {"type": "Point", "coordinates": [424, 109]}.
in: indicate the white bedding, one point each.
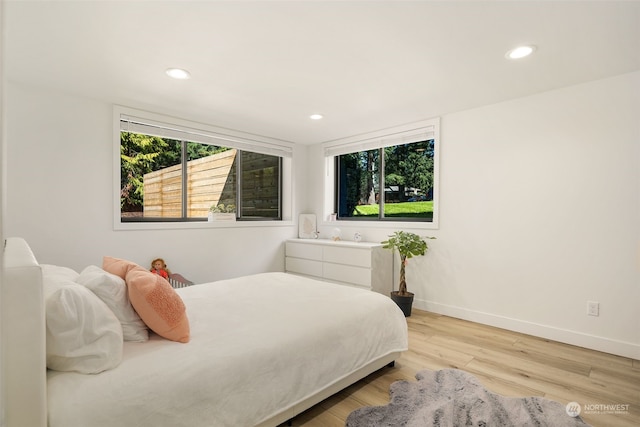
{"type": "Point", "coordinates": [259, 344]}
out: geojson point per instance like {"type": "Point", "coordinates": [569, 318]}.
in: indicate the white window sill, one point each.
{"type": "Point", "coordinates": [199, 225]}
{"type": "Point", "coordinates": [364, 224]}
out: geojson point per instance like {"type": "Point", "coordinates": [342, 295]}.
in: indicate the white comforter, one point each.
{"type": "Point", "coordinates": [259, 344]}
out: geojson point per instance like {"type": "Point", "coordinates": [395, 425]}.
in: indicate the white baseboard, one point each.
{"type": "Point", "coordinates": [607, 345]}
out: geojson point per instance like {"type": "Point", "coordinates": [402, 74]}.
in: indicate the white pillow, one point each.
{"type": "Point", "coordinates": [57, 272]}
{"type": "Point", "coordinates": [83, 335]}
{"type": "Point", "coordinates": [112, 290]}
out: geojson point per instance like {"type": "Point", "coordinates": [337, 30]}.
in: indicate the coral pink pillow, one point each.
{"type": "Point", "coordinates": [153, 298]}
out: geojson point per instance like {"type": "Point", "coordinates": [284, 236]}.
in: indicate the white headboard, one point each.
{"type": "Point", "coordinates": [23, 337]}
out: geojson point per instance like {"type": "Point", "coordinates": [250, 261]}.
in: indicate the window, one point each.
{"type": "Point", "coordinates": [389, 177]}
{"type": "Point", "coordinates": [171, 173]}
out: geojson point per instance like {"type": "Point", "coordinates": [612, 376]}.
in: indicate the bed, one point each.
{"type": "Point", "coordinates": [261, 349]}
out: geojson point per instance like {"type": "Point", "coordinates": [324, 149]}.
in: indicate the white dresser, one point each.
{"type": "Point", "coordinates": [366, 265]}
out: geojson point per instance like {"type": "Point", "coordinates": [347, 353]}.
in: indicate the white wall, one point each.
{"type": "Point", "coordinates": [539, 213]}
{"type": "Point", "coordinates": [59, 197]}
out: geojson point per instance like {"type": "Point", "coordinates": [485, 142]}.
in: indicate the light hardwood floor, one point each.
{"type": "Point", "coordinates": [506, 362]}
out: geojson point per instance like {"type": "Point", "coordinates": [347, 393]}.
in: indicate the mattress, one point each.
{"type": "Point", "coordinates": [259, 344]}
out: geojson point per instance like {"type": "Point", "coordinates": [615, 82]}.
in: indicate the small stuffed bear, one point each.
{"type": "Point", "coordinates": [159, 267]}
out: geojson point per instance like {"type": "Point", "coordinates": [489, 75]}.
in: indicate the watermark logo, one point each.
{"type": "Point", "coordinates": [573, 409]}
{"type": "Point", "coordinates": [609, 409]}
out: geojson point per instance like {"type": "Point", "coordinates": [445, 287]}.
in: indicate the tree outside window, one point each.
{"type": "Point", "coordinates": [406, 172]}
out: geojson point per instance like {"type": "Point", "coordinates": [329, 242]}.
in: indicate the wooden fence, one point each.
{"type": "Point", "coordinates": [260, 185]}
{"type": "Point", "coordinates": [210, 181]}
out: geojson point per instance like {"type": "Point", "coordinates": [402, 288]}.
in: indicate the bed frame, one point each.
{"type": "Point", "coordinates": [289, 413]}
{"type": "Point", "coordinates": [24, 346]}
{"type": "Point", "coordinates": [24, 364]}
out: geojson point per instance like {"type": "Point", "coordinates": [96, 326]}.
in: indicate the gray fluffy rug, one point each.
{"type": "Point", "coordinates": [451, 397]}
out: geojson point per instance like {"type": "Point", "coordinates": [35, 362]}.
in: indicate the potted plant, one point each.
{"type": "Point", "coordinates": [408, 245]}
{"type": "Point", "coordinates": [222, 212]}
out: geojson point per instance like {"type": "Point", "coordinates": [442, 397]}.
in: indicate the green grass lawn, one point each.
{"type": "Point", "coordinates": [405, 209]}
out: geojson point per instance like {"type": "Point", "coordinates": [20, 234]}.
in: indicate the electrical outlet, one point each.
{"type": "Point", "coordinates": [593, 308]}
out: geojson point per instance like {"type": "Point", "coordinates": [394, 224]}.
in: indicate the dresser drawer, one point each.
{"type": "Point", "coordinates": [350, 256]}
{"type": "Point", "coordinates": [347, 273]}
{"type": "Point", "coordinates": [301, 250]}
{"type": "Point", "coordinates": [303, 266]}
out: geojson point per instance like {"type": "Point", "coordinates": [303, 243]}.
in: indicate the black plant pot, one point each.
{"type": "Point", "coordinates": [404, 302]}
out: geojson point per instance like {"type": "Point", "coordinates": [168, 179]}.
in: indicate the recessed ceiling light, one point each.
{"type": "Point", "coordinates": [178, 73]}
{"type": "Point", "coordinates": [520, 52]}
{"type": "Point", "coordinates": [315, 116]}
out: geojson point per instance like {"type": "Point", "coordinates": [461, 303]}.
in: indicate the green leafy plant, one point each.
{"type": "Point", "coordinates": [408, 245]}
{"type": "Point", "coordinates": [222, 208]}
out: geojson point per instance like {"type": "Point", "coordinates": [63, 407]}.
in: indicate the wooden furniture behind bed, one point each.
{"type": "Point", "coordinates": [24, 368]}
{"type": "Point", "coordinates": [178, 281]}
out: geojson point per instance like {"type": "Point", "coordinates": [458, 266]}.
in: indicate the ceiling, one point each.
{"type": "Point", "coordinates": [264, 66]}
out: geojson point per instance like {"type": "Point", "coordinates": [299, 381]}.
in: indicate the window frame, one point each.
{"type": "Point", "coordinates": [221, 137]}
{"type": "Point", "coordinates": [413, 132]}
